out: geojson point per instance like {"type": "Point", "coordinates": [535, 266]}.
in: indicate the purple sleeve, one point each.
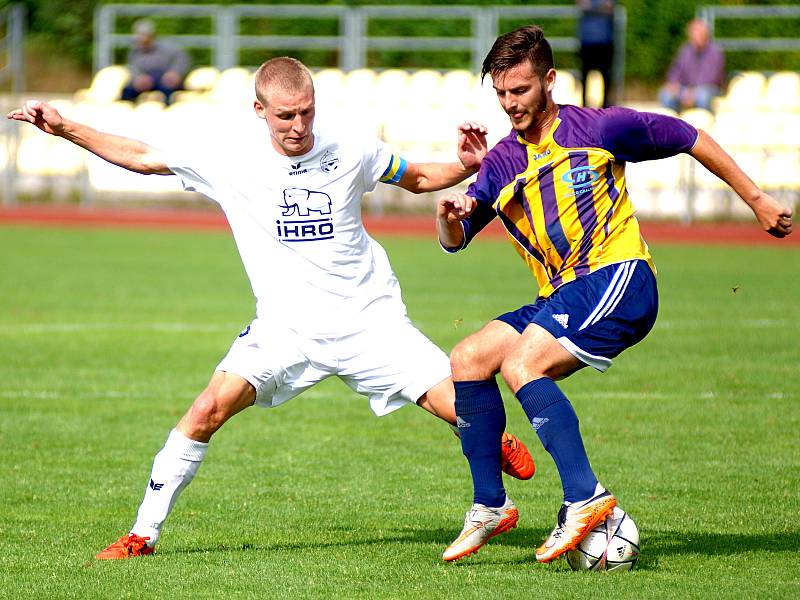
{"type": "Point", "coordinates": [483, 190]}
{"type": "Point", "coordinates": [634, 136]}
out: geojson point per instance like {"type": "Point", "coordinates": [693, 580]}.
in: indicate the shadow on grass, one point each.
{"type": "Point", "coordinates": [654, 546]}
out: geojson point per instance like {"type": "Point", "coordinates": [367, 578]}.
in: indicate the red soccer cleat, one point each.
{"type": "Point", "coordinates": [127, 546]}
{"type": "Point", "coordinates": [517, 461]}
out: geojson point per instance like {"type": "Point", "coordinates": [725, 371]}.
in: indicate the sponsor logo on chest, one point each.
{"type": "Point", "coordinates": [310, 216]}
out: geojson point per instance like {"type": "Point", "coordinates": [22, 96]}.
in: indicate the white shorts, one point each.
{"type": "Point", "coordinates": [392, 363]}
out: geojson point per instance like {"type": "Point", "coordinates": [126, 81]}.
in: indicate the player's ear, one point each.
{"type": "Point", "coordinates": [550, 80]}
{"type": "Point", "coordinates": [261, 110]}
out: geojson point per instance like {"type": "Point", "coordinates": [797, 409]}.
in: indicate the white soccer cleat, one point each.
{"type": "Point", "coordinates": [481, 524]}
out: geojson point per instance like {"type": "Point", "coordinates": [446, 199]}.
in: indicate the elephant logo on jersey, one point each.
{"type": "Point", "coordinates": [300, 202]}
{"type": "Point", "coordinates": [329, 162]}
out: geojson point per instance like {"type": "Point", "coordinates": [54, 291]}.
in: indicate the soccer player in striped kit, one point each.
{"type": "Point", "coordinates": [557, 183]}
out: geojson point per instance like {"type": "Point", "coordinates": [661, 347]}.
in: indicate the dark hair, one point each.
{"type": "Point", "coordinates": [284, 73]}
{"type": "Point", "coordinates": [515, 47]}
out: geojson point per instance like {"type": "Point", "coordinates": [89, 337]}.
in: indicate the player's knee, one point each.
{"type": "Point", "coordinates": [209, 412]}
{"type": "Point", "coordinates": [465, 361]}
{"type": "Point", "coordinates": [519, 368]}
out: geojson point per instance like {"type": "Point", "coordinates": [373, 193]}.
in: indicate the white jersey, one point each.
{"type": "Point", "coordinates": [297, 224]}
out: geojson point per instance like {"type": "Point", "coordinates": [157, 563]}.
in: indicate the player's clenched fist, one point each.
{"type": "Point", "coordinates": [41, 114]}
{"type": "Point", "coordinates": [455, 207]}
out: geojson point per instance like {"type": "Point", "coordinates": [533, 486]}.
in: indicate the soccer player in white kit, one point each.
{"type": "Point", "coordinates": [328, 302]}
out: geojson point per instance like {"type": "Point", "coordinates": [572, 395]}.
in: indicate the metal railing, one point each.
{"type": "Point", "coordinates": [713, 14]}
{"type": "Point", "coordinates": [352, 42]}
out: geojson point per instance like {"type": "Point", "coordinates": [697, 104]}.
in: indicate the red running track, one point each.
{"type": "Point", "coordinates": [213, 219]}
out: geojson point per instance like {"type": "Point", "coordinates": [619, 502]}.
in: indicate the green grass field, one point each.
{"type": "Point", "coordinates": [106, 336]}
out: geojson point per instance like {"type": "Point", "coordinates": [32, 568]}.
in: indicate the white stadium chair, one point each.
{"type": "Point", "coordinates": [359, 86]}
{"type": "Point", "coordinates": [567, 89]}
{"type": "Point", "coordinates": [106, 85]}
{"type": "Point", "coordinates": [424, 88]}
{"type": "Point", "coordinates": [390, 87]}
{"type": "Point", "coordinates": [783, 91]}
{"type": "Point", "coordinates": [456, 86]}
{"type": "Point", "coordinates": [201, 79]}
{"type": "Point", "coordinates": [329, 87]}
{"type": "Point", "coordinates": [745, 91]}
{"type": "Point", "coordinates": [699, 118]}
{"type": "Point", "coordinates": [595, 89]}
{"type": "Point", "coordinates": [235, 87]}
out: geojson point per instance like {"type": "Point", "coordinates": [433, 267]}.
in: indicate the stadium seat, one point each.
{"type": "Point", "coordinates": [782, 91]}
{"type": "Point", "coordinates": [780, 173]}
{"type": "Point", "coordinates": [457, 85]}
{"type": "Point", "coordinates": [329, 87]}
{"type": "Point", "coordinates": [699, 118]}
{"type": "Point", "coordinates": [424, 88]}
{"type": "Point", "coordinates": [201, 79]}
{"type": "Point", "coordinates": [745, 91]}
{"type": "Point", "coordinates": [235, 86]}
{"type": "Point", "coordinates": [567, 89]}
{"type": "Point", "coordinates": [106, 85]}
{"type": "Point", "coordinates": [359, 85]}
{"type": "Point", "coordinates": [391, 87]}
{"type": "Point", "coordinates": [595, 89]}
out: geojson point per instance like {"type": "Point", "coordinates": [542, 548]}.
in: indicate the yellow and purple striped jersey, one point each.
{"type": "Point", "coordinates": [563, 202]}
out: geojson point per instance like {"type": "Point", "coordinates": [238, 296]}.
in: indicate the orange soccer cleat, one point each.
{"type": "Point", "coordinates": [127, 546]}
{"type": "Point", "coordinates": [517, 461]}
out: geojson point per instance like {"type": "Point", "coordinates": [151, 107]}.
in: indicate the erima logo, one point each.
{"type": "Point", "coordinates": [296, 170]}
{"type": "Point", "coordinates": [562, 320]}
{"type": "Point", "coordinates": [537, 422]}
{"type": "Point", "coordinates": [245, 331]}
{"type": "Point", "coordinates": [462, 423]}
{"type": "Point", "coordinates": [155, 486]}
{"type": "Point", "coordinates": [542, 155]}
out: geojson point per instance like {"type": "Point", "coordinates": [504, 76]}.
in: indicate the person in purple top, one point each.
{"type": "Point", "coordinates": [697, 72]}
{"type": "Point", "coordinates": [557, 184]}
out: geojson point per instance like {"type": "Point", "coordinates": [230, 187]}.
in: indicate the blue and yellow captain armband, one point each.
{"type": "Point", "coordinates": [393, 173]}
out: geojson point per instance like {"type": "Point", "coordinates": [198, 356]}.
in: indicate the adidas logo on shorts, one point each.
{"type": "Point", "coordinates": [562, 319]}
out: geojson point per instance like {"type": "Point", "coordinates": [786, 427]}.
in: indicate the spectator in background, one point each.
{"type": "Point", "coordinates": [596, 35]}
{"type": "Point", "coordinates": [697, 73]}
{"type": "Point", "coordinates": [154, 65]}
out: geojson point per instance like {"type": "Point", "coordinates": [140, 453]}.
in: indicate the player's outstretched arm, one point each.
{"type": "Point", "coordinates": [774, 218]}
{"type": "Point", "coordinates": [431, 177]}
{"type": "Point", "coordinates": [124, 152]}
{"type": "Point", "coordinates": [450, 211]}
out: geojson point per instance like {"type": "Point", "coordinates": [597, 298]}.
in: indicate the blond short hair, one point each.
{"type": "Point", "coordinates": [283, 72]}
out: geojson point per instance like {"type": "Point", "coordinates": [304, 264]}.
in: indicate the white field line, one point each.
{"type": "Point", "coordinates": [11, 328]}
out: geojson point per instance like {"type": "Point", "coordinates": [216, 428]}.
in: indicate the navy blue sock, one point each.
{"type": "Point", "coordinates": [481, 419]}
{"type": "Point", "coordinates": [552, 416]}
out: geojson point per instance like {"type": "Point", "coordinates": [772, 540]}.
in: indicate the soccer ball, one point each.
{"type": "Point", "coordinates": [613, 545]}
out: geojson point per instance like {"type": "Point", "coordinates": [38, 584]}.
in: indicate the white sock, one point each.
{"type": "Point", "coordinates": [174, 467]}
